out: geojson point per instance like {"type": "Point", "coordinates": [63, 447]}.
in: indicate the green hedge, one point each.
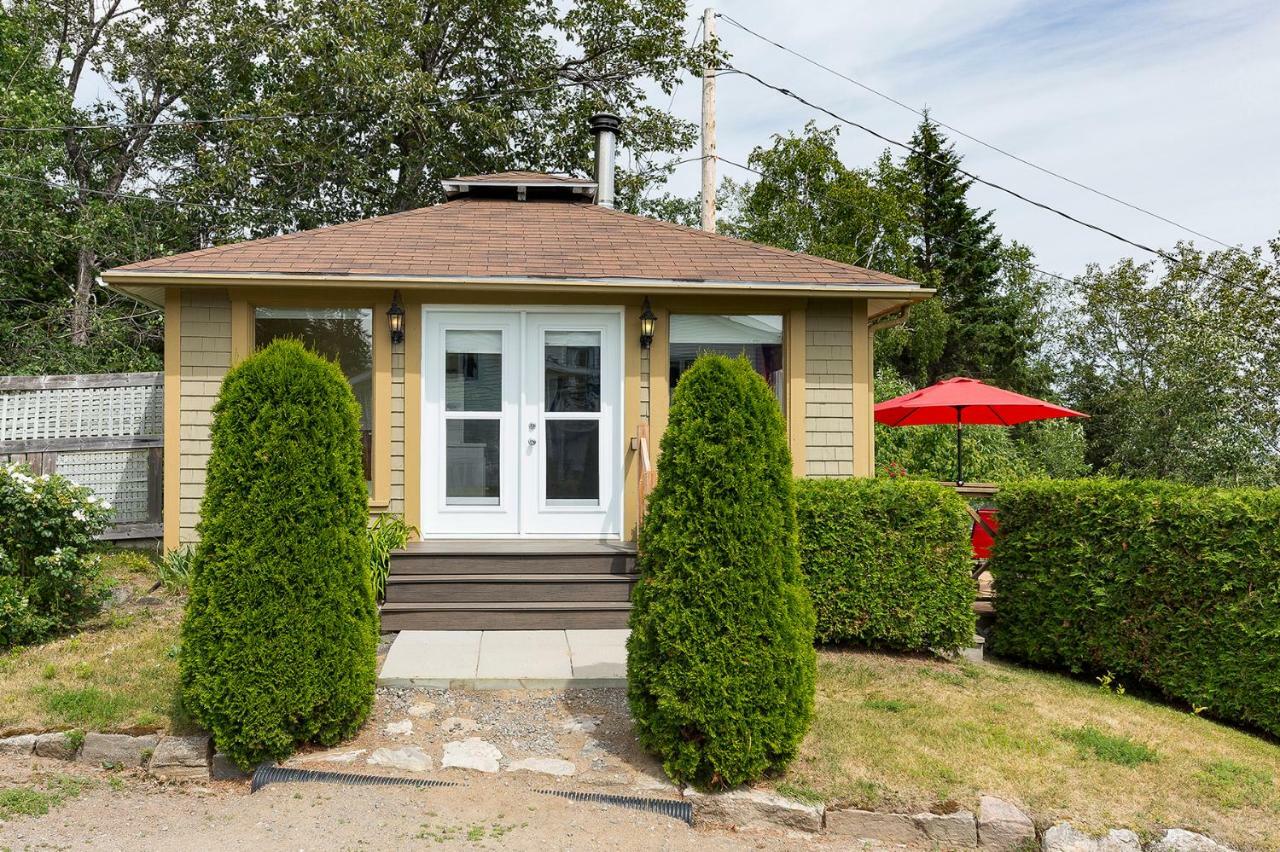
{"type": "Point", "coordinates": [887, 562]}
{"type": "Point", "coordinates": [280, 639]}
{"type": "Point", "coordinates": [1168, 585]}
{"type": "Point", "coordinates": [720, 663]}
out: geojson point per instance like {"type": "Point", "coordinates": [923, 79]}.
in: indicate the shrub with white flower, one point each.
{"type": "Point", "coordinates": [49, 573]}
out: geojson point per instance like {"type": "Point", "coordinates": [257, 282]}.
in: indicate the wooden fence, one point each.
{"type": "Point", "coordinates": [102, 431]}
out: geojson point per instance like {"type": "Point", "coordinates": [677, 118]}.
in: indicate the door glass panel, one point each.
{"type": "Point", "coordinates": [572, 363]}
{"type": "Point", "coordinates": [472, 370]}
{"type": "Point", "coordinates": [473, 462]}
{"type": "Point", "coordinates": [573, 461]}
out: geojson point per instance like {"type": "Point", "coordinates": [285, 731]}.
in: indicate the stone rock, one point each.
{"type": "Point", "coordinates": [581, 724]}
{"type": "Point", "coordinates": [1002, 825]}
{"type": "Point", "coordinates": [958, 830]}
{"type": "Point", "coordinates": [221, 768]}
{"type": "Point", "coordinates": [1064, 838]}
{"type": "Point", "coordinates": [747, 808]}
{"type": "Point", "coordinates": [395, 729]}
{"type": "Point", "coordinates": [57, 745]}
{"type": "Point", "coordinates": [421, 709]}
{"type": "Point", "coordinates": [879, 827]}
{"type": "Point", "coordinates": [545, 765]}
{"type": "Point", "coordinates": [410, 758]}
{"type": "Point", "coordinates": [22, 745]}
{"type": "Point", "coordinates": [117, 750]}
{"type": "Point", "coordinates": [455, 725]}
{"type": "Point", "coordinates": [655, 780]}
{"type": "Point", "coordinates": [332, 756]}
{"type": "Point", "coordinates": [471, 753]}
{"type": "Point", "coordinates": [1181, 840]}
{"type": "Point", "coordinates": [181, 758]}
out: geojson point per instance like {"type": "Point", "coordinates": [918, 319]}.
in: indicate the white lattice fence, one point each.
{"type": "Point", "coordinates": [103, 431]}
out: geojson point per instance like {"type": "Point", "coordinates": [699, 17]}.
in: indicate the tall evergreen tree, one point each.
{"type": "Point", "coordinates": [983, 283]}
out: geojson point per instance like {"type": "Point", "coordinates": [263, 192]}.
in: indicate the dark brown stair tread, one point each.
{"type": "Point", "coordinates": [512, 578]}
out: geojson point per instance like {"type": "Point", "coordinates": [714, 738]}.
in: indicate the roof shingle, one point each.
{"type": "Point", "coordinates": [494, 237]}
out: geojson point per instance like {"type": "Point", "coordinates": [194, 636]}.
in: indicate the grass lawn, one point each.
{"type": "Point", "coordinates": [907, 733]}
{"type": "Point", "coordinates": [118, 673]}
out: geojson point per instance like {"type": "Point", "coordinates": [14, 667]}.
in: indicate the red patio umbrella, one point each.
{"type": "Point", "coordinates": [962, 401]}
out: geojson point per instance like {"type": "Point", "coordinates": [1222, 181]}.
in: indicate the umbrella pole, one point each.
{"type": "Point", "coordinates": [959, 445]}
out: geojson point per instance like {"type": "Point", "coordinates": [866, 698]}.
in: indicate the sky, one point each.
{"type": "Point", "coordinates": [1170, 105]}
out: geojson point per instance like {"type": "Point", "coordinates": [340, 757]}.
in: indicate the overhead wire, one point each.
{"type": "Point", "coordinates": [996, 148]}
{"type": "Point", "coordinates": [975, 178]}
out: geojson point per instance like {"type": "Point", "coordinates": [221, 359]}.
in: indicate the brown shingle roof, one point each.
{"type": "Point", "coordinates": [501, 238]}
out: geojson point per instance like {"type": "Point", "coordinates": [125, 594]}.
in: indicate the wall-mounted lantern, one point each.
{"type": "Point", "coordinates": [648, 322]}
{"type": "Point", "coordinates": [395, 319]}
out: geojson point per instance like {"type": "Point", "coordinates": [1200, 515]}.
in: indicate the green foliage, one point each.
{"type": "Point", "coordinates": [1169, 585]}
{"type": "Point", "coordinates": [1052, 448]}
{"type": "Point", "coordinates": [50, 577]}
{"type": "Point", "coordinates": [175, 568]}
{"type": "Point", "coordinates": [281, 631]}
{"type": "Point", "coordinates": [807, 200]}
{"type": "Point", "coordinates": [987, 288]}
{"type": "Point", "coordinates": [886, 562]}
{"type": "Point", "coordinates": [1120, 750]}
{"type": "Point", "coordinates": [387, 533]}
{"type": "Point", "coordinates": [377, 100]}
{"type": "Point", "coordinates": [720, 663]}
{"type": "Point", "coordinates": [913, 219]}
{"type": "Point", "coordinates": [86, 707]}
{"type": "Point", "coordinates": [1179, 368]}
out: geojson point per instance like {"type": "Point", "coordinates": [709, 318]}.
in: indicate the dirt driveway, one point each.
{"type": "Point", "coordinates": [584, 736]}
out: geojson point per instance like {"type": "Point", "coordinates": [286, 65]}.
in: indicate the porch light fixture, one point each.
{"type": "Point", "coordinates": [395, 318]}
{"type": "Point", "coordinates": [648, 322]}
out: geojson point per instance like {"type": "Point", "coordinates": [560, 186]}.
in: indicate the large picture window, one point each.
{"type": "Point", "coordinates": [757, 337]}
{"type": "Point", "coordinates": [344, 335]}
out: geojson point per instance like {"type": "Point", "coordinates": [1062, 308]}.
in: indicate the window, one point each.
{"type": "Point", "coordinates": [756, 337]}
{"type": "Point", "coordinates": [344, 335]}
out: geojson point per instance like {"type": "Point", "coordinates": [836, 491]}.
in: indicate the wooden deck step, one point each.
{"type": "Point", "coordinates": [506, 615]}
{"type": "Point", "coordinates": [494, 587]}
{"type": "Point", "coordinates": [513, 584]}
{"type": "Point", "coordinates": [514, 557]}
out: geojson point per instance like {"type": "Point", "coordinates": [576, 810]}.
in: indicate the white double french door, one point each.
{"type": "Point", "coordinates": [521, 423]}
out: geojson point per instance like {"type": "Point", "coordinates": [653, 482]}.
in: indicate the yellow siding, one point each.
{"type": "Point", "coordinates": [831, 344]}
{"type": "Point", "coordinates": [205, 323]}
{"type": "Point", "coordinates": [829, 432]}
{"type": "Point", "coordinates": [396, 506]}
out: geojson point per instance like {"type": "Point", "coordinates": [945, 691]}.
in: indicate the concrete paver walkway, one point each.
{"type": "Point", "coordinates": [507, 659]}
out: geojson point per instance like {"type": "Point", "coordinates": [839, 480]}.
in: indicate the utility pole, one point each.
{"type": "Point", "coordinates": [709, 129]}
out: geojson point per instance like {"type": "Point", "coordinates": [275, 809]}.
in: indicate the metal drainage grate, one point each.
{"type": "Point", "coordinates": [265, 775]}
{"type": "Point", "coordinates": [674, 808]}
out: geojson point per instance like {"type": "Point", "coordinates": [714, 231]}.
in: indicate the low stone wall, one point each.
{"type": "Point", "coordinates": [188, 758]}
{"type": "Point", "coordinates": [998, 826]}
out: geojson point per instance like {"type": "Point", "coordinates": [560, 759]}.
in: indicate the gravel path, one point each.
{"type": "Point", "coordinates": [587, 732]}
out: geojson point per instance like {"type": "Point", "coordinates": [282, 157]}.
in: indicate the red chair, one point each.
{"type": "Point", "coordinates": [985, 527]}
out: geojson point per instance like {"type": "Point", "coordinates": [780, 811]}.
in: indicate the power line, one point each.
{"type": "Point", "coordinates": [981, 142]}
{"type": "Point", "coordinates": [248, 118]}
{"type": "Point", "coordinates": [1166, 256]}
{"type": "Point", "coordinates": [950, 240]}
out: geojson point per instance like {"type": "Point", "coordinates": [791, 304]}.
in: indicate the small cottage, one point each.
{"type": "Point", "coordinates": [514, 351]}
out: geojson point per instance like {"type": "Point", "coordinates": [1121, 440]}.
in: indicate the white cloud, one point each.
{"type": "Point", "coordinates": [1169, 104]}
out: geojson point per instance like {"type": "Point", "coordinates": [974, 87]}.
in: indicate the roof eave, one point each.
{"type": "Point", "coordinates": [904, 293]}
